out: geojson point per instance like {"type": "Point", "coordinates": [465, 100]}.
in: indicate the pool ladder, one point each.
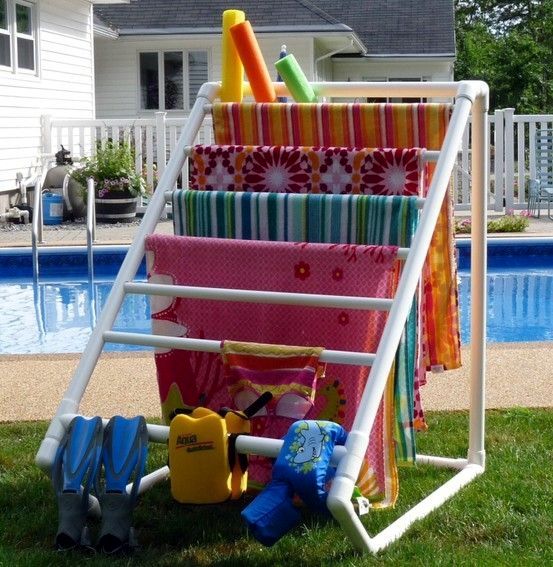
{"type": "Point", "coordinates": [38, 223]}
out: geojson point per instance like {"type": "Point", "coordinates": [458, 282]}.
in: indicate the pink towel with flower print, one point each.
{"type": "Point", "coordinates": [291, 169]}
{"type": "Point", "coordinates": [191, 378]}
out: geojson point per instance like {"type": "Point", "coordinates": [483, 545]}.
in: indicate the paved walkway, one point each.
{"type": "Point", "coordinates": [70, 234]}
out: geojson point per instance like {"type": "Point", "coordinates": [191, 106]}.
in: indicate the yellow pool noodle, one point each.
{"type": "Point", "coordinates": [232, 70]}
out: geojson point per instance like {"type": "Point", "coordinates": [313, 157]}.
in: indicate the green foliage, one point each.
{"type": "Point", "coordinates": [113, 169]}
{"type": "Point", "coordinates": [502, 518]}
{"type": "Point", "coordinates": [508, 223]}
{"type": "Point", "coordinates": [510, 46]}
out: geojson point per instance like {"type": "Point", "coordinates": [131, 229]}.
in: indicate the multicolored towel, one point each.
{"type": "Point", "coordinates": [292, 169]}
{"type": "Point", "coordinates": [292, 217]}
{"type": "Point", "coordinates": [289, 373]}
{"type": "Point", "coordinates": [367, 126]}
{"type": "Point", "coordinates": [187, 379]}
{"type": "Point", "coordinates": [336, 219]}
{"type": "Point", "coordinates": [349, 125]}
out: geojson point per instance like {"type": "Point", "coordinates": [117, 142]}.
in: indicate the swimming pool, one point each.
{"type": "Point", "coordinates": [57, 314]}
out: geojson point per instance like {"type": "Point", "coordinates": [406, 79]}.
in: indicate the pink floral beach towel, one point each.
{"type": "Point", "coordinates": [188, 379]}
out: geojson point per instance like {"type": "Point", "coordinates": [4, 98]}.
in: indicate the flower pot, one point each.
{"type": "Point", "coordinates": [116, 206]}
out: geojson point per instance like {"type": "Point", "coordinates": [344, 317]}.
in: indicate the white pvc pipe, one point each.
{"type": "Point", "coordinates": [253, 296]}
{"type": "Point", "coordinates": [90, 224]}
{"type": "Point", "coordinates": [268, 447]}
{"type": "Point", "coordinates": [377, 89]}
{"type": "Point", "coordinates": [205, 345]}
{"type": "Point", "coordinates": [348, 470]}
{"type": "Point", "coordinates": [433, 501]}
{"type": "Point", "coordinates": [263, 446]}
{"type": "Point", "coordinates": [150, 480]}
{"type": "Point", "coordinates": [480, 141]}
{"type": "Point", "coordinates": [83, 372]}
{"type": "Point", "coordinates": [441, 462]}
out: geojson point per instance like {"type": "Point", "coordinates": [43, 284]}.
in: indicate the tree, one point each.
{"type": "Point", "coordinates": [510, 46]}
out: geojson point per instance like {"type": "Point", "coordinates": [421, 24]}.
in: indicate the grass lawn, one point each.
{"type": "Point", "coordinates": [505, 517]}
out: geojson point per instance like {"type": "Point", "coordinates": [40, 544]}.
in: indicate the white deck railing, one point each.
{"type": "Point", "coordinates": [511, 151]}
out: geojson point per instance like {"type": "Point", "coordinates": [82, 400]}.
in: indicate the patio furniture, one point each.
{"type": "Point", "coordinates": [541, 188]}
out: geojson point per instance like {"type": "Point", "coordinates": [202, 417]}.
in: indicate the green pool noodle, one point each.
{"type": "Point", "coordinates": [295, 80]}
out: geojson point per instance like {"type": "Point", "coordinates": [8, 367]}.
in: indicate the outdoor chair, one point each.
{"type": "Point", "coordinates": [541, 188]}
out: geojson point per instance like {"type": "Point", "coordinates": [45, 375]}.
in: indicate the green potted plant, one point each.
{"type": "Point", "coordinates": [117, 184]}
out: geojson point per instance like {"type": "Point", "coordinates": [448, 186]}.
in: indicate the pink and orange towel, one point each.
{"type": "Point", "coordinates": [349, 125]}
{"type": "Point", "coordinates": [367, 126]}
{"type": "Point", "coordinates": [187, 379]}
{"type": "Point", "coordinates": [294, 169]}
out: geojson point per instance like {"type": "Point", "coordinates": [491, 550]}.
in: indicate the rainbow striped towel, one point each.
{"type": "Point", "coordinates": [294, 217]}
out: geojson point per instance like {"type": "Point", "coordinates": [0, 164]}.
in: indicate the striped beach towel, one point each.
{"type": "Point", "coordinates": [292, 217]}
{"type": "Point", "coordinates": [338, 219]}
{"type": "Point", "coordinates": [367, 126]}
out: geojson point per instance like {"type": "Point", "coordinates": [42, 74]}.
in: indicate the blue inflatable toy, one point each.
{"type": "Point", "coordinates": [303, 468]}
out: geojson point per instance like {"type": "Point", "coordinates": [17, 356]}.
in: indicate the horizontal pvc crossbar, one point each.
{"type": "Point", "coordinates": [419, 204]}
{"type": "Point", "coordinates": [433, 501]}
{"type": "Point", "coordinates": [253, 296]}
{"type": "Point", "coordinates": [204, 345]}
{"type": "Point", "coordinates": [252, 445]}
{"type": "Point", "coordinates": [267, 447]}
{"type": "Point", "coordinates": [442, 462]}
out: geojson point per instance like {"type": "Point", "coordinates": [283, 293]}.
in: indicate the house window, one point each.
{"type": "Point", "coordinates": [17, 35]}
{"type": "Point", "coordinates": [170, 80]}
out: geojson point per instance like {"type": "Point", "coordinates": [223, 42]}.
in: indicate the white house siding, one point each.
{"type": "Point", "coordinates": [372, 69]}
{"type": "Point", "coordinates": [117, 66]}
{"type": "Point", "coordinates": [62, 87]}
{"type": "Point", "coordinates": [322, 64]}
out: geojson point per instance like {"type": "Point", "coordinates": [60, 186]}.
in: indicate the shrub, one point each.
{"type": "Point", "coordinates": [509, 223]}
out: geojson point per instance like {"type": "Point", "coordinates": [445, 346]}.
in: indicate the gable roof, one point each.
{"type": "Point", "coordinates": [399, 27]}
{"type": "Point", "coordinates": [205, 16]}
{"type": "Point", "coordinates": [386, 27]}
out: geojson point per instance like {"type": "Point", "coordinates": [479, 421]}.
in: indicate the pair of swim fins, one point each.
{"type": "Point", "coordinates": [87, 450]}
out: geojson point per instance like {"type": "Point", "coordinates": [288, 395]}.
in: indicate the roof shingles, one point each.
{"type": "Point", "coordinates": [386, 27]}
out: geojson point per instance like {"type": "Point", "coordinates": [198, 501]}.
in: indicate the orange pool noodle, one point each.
{"type": "Point", "coordinates": [254, 64]}
{"type": "Point", "coordinates": [232, 70]}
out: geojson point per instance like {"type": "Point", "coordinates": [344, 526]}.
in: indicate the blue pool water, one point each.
{"type": "Point", "coordinates": [57, 314]}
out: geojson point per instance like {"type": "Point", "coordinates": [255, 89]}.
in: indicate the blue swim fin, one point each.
{"type": "Point", "coordinates": [124, 454]}
{"type": "Point", "coordinates": [74, 473]}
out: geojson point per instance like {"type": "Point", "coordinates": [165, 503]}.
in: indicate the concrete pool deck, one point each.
{"type": "Point", "coordinates": [31, 386]}
{"type": "Point", "coordinates": [518, 374]}
{"type": "Point", "coordinates": [74, 234]}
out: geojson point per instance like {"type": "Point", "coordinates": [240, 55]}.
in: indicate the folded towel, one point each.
{"type": "Point", "coordinates": [289, 373]}
{"type": "Point", "coordinates": [295, 169]}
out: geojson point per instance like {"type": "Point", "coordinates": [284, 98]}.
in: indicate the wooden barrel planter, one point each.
{"type": "Point", "coordinates": [116, 206]}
